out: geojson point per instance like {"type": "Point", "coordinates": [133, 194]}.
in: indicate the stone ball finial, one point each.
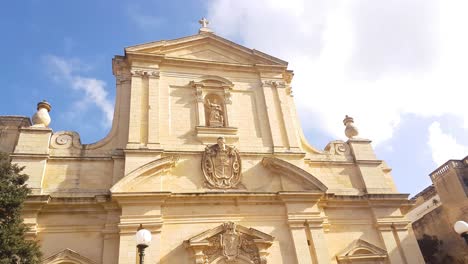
{"type": "Point", "coordinates": [351, 130]}
{"type": "Point", "coordinates": [42, 118]}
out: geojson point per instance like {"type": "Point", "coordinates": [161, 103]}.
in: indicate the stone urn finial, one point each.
{"type": "Point", "coordinates": [351, 130]}
{"type": "Point", "coordinates": [41, 118]}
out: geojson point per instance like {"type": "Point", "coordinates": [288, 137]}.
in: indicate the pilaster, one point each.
{"type": "Point", "coordinates": [285, 107]}
{"type": "Point", "coordinates": [395, 253]}
{"type": "Point", "coordinates": [32, 152]}
{"type": "Point", "coordinates": [110, 231]}
{"type": "Point", "coordinates": [153, 110]}
{"type": "Point", "coordinates": [134, 129]}
{"type": "Point", "coordinates": [306, 225]}
{"type": "Point", "coordinates": [31, 208]}
{"type": "Point", "coordinates": [144, 209]}
{"type": "Point", "coordinates": [317, 240]}
{"type": "Point", "coordinates": [275, 118]}
{"type": "Point", "coordinates": [369, 167]}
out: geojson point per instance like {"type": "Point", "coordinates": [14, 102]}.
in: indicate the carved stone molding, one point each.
{"type": "Point", "coordinates": [213, 97]}
{"type": "Point", "coordinates": [209, 135]}
{"type": "Point", "coordinates": [221, 166]}
{"type": "Point", "coordinates": [337, 147]}
{"type": "Point", "coordinates": [360, 251]}
{"type": "Point", "coordinates": [230, 243]}
{"type": "Point", "coordinates": [120, 68]}
{"type": "Point", "coordinates": [67, 256]}
{"type": "Point", "coordinates": [140, 72]}
{"type": "Point", "coordinates": [272, 83]}
{"type": "Point", "coordinates": [150, 168]}
{"type": "Point", "coordinates": [285, 168]}
{"type": "Point", "coordinates": [65, 139]}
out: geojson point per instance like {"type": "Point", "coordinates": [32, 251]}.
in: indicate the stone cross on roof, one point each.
{"type": "Point", "coordinates": [204, 22]}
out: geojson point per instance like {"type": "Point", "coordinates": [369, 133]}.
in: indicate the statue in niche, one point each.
{"type": "Point", "coordinates": [221, 165]}
{"type": "Point", "coordinates": [215, 113]}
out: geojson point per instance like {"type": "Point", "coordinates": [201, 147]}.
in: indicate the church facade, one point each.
{"type": "Point", "coordinates": [207, 153]}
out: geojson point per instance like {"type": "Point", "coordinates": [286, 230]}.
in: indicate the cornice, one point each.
{"type": "Point", "coordinates": [127, 198]}
{"type": "Point", "coordinates": [366, 200]}
{"type": "Point", "coordinates": [30, 155]}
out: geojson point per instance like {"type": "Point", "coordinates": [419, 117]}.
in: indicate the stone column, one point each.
{"type": "Point", "coordinates": [227, 104]}
{"type": "Point", "coordinates": [200, 103]}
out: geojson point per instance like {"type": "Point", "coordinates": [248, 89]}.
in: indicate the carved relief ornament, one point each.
{"type": "Point", "coordinates": [230, 243]}
{"type": "Point", "coordinates": [65, 139]}
{"type": "Point", "coordinates": [140, 72]}
{"type": "Point", "coordinates": [221, 165]}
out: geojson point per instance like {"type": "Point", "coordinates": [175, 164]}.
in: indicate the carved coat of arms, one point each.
{"type": "Point", "coordinates": [221, 165]}
{"type": "Point", "coordinates": [230, 242]}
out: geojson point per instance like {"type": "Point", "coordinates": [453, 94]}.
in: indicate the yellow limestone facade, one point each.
{"type": "Point", "coordinates": [206, 152]}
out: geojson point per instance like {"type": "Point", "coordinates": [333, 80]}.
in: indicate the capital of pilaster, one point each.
{"type": "Point", "coordinates": [130, 227]}
{"type": "Point", "coordinates": [140, 72]}
{"type": "Point", "coordinates": [389, 224]}
{"type": "Point", "coordinates": [273, 83]}
{"type": "Point", "coordinates": [302, 220]}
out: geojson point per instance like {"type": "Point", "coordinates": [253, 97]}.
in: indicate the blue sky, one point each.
{"type": "Point", "coordinates": [397, 67]}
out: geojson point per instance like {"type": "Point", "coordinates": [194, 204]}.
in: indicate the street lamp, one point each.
{"type": "Point", "coordinates": [143, 239]}
{"type": "Point", "coordinates": [461, 227]}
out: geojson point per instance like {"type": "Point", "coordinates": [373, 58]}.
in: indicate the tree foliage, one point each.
{"type": "Point", "coordinates": [14, 248]}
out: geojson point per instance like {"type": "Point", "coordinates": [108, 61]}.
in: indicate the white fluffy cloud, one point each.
{"type": "Point", "coordinates": [94, 91]}
{"type": "Point", "coordinates": [444, 146]}
{"type": "Point", "coordinates": [373, 60]}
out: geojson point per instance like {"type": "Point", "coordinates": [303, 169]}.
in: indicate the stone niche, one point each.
{"type": "Point", "coordinates": [230, 243]}
{"type": "Point", "coordinates": [213, 96]}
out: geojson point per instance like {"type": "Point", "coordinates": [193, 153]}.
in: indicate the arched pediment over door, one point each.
{"type": "Point", "coordinates": [302, 177]}
{"type": "Point", "coordinates": [131, 181]}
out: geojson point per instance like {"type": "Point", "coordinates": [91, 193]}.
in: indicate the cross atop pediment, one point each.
{"type": "Point", "coordinates": [204, 22]}
{"type": "Point", "coordinates": [204, 26]}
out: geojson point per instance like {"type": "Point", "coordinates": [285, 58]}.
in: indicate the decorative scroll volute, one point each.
{"type": "Point", "coordinates": [65, 140]}
{"type": "Point", "coordinates": [221, 165]}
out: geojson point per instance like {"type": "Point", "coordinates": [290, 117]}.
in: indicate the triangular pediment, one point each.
{"type": "Point", "coordinates": [206, 47]}
{"type": "Point", "coordinates": [67, 256]}
{"type": "Point", "coordinates": [361, 250]}
{"type": "Point", "coordinates": [229, 243]}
